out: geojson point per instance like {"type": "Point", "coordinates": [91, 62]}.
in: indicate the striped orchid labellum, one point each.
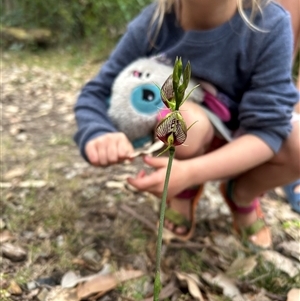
{"type": "Point", "coordinates": [172, 129]}
{"type": "Point", "coordinates": [167, 93]}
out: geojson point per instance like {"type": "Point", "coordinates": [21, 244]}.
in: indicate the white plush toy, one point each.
{"type": "Point", "coordinates": [135, 99]}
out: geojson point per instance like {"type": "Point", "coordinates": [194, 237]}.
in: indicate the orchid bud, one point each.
{"type": "Point", "coordinates": [177, 71]}
{"type": "Point", "coordinates": [184, 84]}
{"type": "Point", "coordinates": [187, 74]}
{"type": "Point", "coordinates": [172, 129]}
{"type": "Point", "coordinates": [173, 89]}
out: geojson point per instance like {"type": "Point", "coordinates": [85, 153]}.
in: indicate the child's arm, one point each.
{"type": "Point", "coordinates": [242, 154]}
{"type": "Point", "coordinates": [92, 104]}
{"type": "Point", "coordinates": [293, 7]}
{"type": "Point", "coordinates": [236, 157]}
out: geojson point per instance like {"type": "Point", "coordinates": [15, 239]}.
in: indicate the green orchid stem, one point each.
{"type": "Point", "coordinates": [157, 284]}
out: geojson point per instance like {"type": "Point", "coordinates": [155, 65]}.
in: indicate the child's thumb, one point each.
{"type": "Point", "coordinates": [155, 161]}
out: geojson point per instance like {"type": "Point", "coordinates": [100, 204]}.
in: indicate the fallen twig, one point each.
{"type": "Point", "coordinates": [129, 210]}
{"type": "Point", "coordinates": [187, 245]}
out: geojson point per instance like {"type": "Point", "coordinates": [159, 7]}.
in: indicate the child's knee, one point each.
{"type": "Point", "coordinates": [199, 135]}
{"type": "Point", "coordinates": [289, 155]}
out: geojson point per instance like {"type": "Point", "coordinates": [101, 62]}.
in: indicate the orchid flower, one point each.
{"type": "Point", "coordinates": [172, 130]}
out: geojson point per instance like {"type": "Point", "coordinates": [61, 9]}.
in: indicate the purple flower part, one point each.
{"type": "Point", "coordinates": [167, 92]}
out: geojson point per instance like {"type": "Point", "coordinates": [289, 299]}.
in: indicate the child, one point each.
{"type": "Point", "coordinates": [244, 49]}
{"type": "Point", "coordinates": [292, 190]}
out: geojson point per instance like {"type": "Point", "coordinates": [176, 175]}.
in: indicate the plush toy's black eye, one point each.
{"type": "Point", "coordinates": [148, 95]}
{"type": "Point", "coordinates": [147, 74]}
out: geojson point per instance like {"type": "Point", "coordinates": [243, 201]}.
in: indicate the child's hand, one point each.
{"type": "Point", "coordinates": [154, 182]}
{"type": "Point", "coordinates": [108, 149]}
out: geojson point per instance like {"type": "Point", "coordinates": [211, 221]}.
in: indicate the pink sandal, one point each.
{"type": "Point", "coordinates": [177, 219]}
{"type": "Point", "coordinates": [258, 233]}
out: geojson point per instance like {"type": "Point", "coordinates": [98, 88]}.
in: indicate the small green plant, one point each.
{"type": "Point", "coordinates": [190, 263]}
{"type": "Point", "coordinates": [291, 224]}
{"type": "Point", "coordinates": [268, 276]}
{"type": "Point", "coordinates": [171, 130]}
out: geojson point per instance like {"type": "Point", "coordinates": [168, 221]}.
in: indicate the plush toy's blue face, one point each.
{"type": "Point", "coordinates": [135, 99]}
{"type": "Point", "coordinates": [146, 99]}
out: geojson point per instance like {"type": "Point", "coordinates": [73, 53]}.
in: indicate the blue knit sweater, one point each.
{"type": "Point", "coordinates": [253, 68]}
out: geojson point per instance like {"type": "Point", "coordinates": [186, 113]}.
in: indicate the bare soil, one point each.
{"type": "Point", "coordinates": [59, 214]}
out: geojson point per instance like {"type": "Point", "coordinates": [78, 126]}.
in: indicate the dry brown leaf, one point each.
{"type": "Point", "coordinates": [229, 288]}
{"type": "Point", "coordinates": [32, 183]}
{"type": "Point", "coordinates": [101, 284]}
{"type": "Point", "coordinates": [166, 292]}
{"type": "Point", "coordinates": [25, 184]}
{"type": "Point", "coordinates": [14, 288]}
{"type": "Point", "coordinates": [290, 248]}
{"type": "Point", "coordinates": [105, 257]}
{"type": "Point", "coordinates": [70, 279]}
{"type": "Point", "coordinates": [13, 252]}
{"type": "Point", "coordinates": [227, 243]}
{"type": "Point", "coordinates": [5, 185]}
{"type": "Point", "coordinates": [293, 295]}
{"type": "Point", "coordinates": [193, 284]}
{"type": "Point", "coordinates": [5, 236]}
{"type": "Point", "coordinates": [281, 262]}
{"type": "Point", "coordinates": [62, 294]}
{"type": "Point", "coordinates": [242, 267]}
{"type": "Point", "coordinates": [14, 173]}
{"type": "Point", "coordinates": [115, 184]}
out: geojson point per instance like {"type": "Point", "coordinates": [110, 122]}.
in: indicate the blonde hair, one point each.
{"type": "Point", "coordinates": [256, 7]}
{"type": "Point", "coordinates": [165, 6]}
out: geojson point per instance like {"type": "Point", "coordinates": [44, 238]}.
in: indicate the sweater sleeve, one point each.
{"type": "Point", "coordinates": [92, 103]}
{"type": "Point", "coordinates": [266, 108]}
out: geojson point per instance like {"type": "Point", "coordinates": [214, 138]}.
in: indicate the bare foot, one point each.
{"type": "Point", "coordinates": [184, 208]}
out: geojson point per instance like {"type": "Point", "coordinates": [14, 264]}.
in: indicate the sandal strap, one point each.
{"type": "Point", "coordinates": [176, 218]}
{"type": "Point", "coordinates": [254, 228]}
{"type": "Point", "coordinates": [233, 206]}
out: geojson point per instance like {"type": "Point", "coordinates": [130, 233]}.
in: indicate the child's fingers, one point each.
{"type": "Point", "coordinates": [112, 153]}
{"type": "Point", "coordinates": [156, 162]}
{"type": "Point", "coordinates": [141, 174]}
{"type": "Point", "coordinates": [92, 154]}
{"type": "Point", "coordinates": [124, 149]}
{"type": "Point", "coordinates": [145, 182]}
{"type": "Point", "coordinates": [108, 149]}
{"type": "Point", "coordinates": [102, 155]}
